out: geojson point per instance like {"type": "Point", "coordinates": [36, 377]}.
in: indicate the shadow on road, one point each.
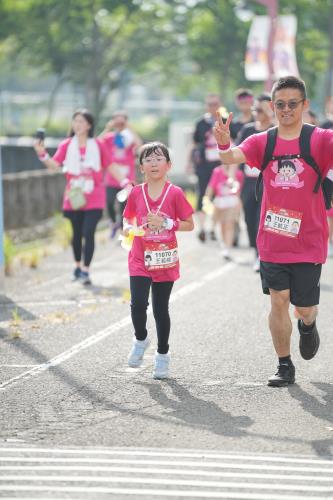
{"type": "Point", "coordinates": [108, 291]}
{"type": "Point", "coordinates": [196, 412]}
{"type": "Point", "coordinates": [8, 306]}
{"type": "Point", "coordinates": [322, 410]}
{"type": "Point", "coordinates": [187, 409]}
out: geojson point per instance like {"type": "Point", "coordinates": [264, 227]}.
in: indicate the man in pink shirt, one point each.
{"type": "Point", "coordinates": [293, 230]}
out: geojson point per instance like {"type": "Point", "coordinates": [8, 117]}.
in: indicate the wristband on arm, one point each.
{"type": "Point", "coordinates": [224, 148]}
{"type": "Point", "coordinates": [44, 156]}
{"type": "Point", "coordinates": [128, 226]}
{"type": "Point", "coordinates": [170, 224]}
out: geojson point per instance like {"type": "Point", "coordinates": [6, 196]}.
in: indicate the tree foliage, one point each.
{"type": "Point", "coordinates": [185, 45]}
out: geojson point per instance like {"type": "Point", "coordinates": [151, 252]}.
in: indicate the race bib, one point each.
{"type": "Point", "coordinates": [228, 201]}
{"type": "Point", "coordinates": [282, 221]}
{"type": "Point", "coordinates": [122, 169]}
{"type": "Point", "coordinates": [88, 185]}
{"type": "Point", "coordinates": [212, 154]}
{"type": "Point", "coordinates": [251, 172]}
{"type": "Point", "coordinates": [159, 255]}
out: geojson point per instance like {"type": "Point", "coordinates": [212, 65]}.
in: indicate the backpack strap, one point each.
{"type": "Point", "coordinates": [305, 149]}
{"type": "Point", "coordinates": [268, 154]}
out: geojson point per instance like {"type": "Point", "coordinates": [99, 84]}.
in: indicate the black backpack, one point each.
{"type": "Point", "coordinates": [304, 145]}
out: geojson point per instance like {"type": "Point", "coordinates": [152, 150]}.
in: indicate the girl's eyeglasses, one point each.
{"type": "Point", "coordinates": [292, 104]}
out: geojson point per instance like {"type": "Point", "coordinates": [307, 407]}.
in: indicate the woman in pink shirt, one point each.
{"type": "Point", "coordinates": [161, 209]}
{"type": "Point", "coordinates": [84, 160]}
{"type": "Point", "coordinates": [224, 187]}
{"type": "Point", "coordinates": [122, 144]}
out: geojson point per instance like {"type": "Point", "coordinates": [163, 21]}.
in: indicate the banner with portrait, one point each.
{"type": "Point", "coordinates": [284, 56]}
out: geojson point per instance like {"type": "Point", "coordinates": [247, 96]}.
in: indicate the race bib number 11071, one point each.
{"type": "Point", "coordinates": [282, 221]}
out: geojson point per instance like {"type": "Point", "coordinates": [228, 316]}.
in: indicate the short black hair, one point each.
{"type": "Point", "coordinates": [286, 163]}
{"type": "Point", "coordinates": [289, 82]}
{"type": "Point", "coordinates": [242, 93]}
{"type": "Point", "coordinates": [153, 147]}
{"type": "Point", "coordinates": [88, 117]}
{"type": "Point", "coordinates": [264, 97]}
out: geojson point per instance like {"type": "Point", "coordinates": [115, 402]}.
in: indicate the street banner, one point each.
{"type": "Point", "coordinates": [256, 67]}
{"type": "Point", "coordinates": [284, 56]}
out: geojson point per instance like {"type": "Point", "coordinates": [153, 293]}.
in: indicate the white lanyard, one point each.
{"type": "Point", "coordinates": [163, 200]}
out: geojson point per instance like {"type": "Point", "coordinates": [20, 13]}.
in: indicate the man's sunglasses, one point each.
{"type": "Point", "coordinates": [292, 104]}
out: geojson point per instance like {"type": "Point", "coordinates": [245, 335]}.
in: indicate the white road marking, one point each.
{"type": "Point", "coordinates": [99, 336]}
{"type": "Point", "coordinates": [201, 454]}
{"type": "Point", "coordinates": [154, 492]}
{"type": "Point", "coordinates": [149, 470]}
{"type": "Point", "coordinates": [168, 482]}
{"type": "Point", "coordinates": [180, 463]}
{"type": "Point", "coordinates": [48, 303]}
{"type": "Point", "coordinates": [17, 366]}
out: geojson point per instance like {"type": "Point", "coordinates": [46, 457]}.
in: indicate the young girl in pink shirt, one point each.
{"type": "Point", "coordinates": [161, 209]}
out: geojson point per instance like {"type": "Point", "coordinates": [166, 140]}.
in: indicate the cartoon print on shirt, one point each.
{"type": "Point", "coordinates": [287, 173]}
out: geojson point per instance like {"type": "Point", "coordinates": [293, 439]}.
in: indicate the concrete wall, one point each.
{"type": "Point", "coordinates": [30, 197]}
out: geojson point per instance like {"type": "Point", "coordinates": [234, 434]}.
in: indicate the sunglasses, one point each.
{"type": "Point", "coordinates": [292, 104]}
{"type": "Point", "coordinates": [258, 110]}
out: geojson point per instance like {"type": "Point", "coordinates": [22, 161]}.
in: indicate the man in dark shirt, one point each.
{"type": "Point", "coordinates": [263, 119]}
{"type": "Point", "coordinates": [205, 156]}
{"type": "Point", "coordinates": [244, 102]}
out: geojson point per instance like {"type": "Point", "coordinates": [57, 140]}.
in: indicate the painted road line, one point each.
{"type": "Point", "coordinates": [181, 453]}
{"type": "Point", "coordinates": [99, 336]}
{"type": "Point", "coordinates": [168, 482]}
{"type": "Point", "coordinates": [180, 463]}
{"type": "Point", "coordinates": [160, 471]}
{"type": "Point", "coordinates": [155, 492]}
{"type": "Point", "coordinates": [63, 302]}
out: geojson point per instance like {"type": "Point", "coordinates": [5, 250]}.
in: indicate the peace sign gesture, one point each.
{"type": "Point", "coordinates": [221, 130]}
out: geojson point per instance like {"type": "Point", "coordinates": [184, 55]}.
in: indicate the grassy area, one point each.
{"type": "Point", "coordinates": [31, 253]}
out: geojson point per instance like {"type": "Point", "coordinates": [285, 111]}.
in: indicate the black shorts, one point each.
{"type": "Point", "coordinates": [302, 279]}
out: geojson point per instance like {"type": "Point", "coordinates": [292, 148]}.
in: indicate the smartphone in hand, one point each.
{"type": "Point", "coordinates": [40, 134]}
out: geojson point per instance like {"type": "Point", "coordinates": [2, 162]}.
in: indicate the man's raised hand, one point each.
{"type": "Point", "coordinates": [221, 130]}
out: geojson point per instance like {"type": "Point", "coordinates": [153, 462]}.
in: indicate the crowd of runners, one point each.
{"type": "Point", "coordinates": [271, 164]}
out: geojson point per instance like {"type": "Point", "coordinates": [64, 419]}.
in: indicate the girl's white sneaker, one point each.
{"type": "Point", "coordinates": [135, 357]}
{"type": "Point", "coordinates": [161, 365]}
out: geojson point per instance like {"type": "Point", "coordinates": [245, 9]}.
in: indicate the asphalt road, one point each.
{"type": "Point", "coordinates": [77, 422]}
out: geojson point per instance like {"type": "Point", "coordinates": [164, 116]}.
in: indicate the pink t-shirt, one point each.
{"type": "Point", "coordinates": [293, 223]}
{"type": "Point", "coordinates": [96, 197]}
{"type": "Point", "coordinates": [176, 207]}
{"type": "Point", "coordinates": [125, 157]}
{"type": "Point", "coordinates": [220, 186]}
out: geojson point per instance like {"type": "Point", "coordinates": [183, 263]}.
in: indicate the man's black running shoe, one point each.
{"type": "Point", "coordinates": [284, 376]}
{"type": "Point", "coordinates": [308, 341]}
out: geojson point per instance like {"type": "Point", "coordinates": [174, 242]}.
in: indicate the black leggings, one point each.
{"type": "Point", "coordinates": [140, 287]}
{"type": "Point", "coordinates": [84, 223]}
{"type": "Point", "coordinates": [251, 209]}
{"type": "Point", "coordinates": [113, 205]}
